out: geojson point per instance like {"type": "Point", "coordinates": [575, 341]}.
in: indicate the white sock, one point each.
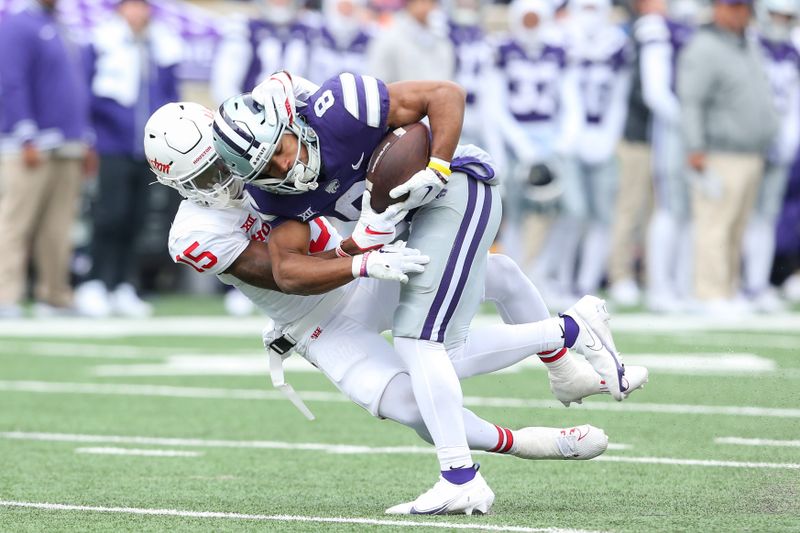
{"type": "Point", "coordinates": [594, 258]}
{"type": "Point", "coordinates": [517, 299]}
{"type": "Point", "coordinates": [492, 348]}
{"type": "Point", "coordinates": [661, 247]}
{"type": "Point", "coordinates": [437, 392]}
{"type": "Point", "coordinates": [758, 250]}
{"type": "Point", "coordinates": [398, 404]}
{"type": "Point", "coordinates": [571, 232]}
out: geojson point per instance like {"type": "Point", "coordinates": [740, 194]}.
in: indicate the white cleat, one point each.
{"type": "Point", "coordinates": [596, 344]}
{"type": "Point", "coordinates": [576, 379]}
{"type": "Point", "coordinates": [576, 443]}
{"type": "Point", "coordinates": [474, 496]}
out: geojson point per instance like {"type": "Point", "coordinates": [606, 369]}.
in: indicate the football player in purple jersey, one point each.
{"type": "Point", "coordinates": [303, 150]}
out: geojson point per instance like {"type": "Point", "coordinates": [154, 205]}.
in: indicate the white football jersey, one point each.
{"type": "Point", "coordinates": [209, 241]}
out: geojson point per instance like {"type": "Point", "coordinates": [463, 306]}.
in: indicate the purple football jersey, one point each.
{"type": "Point", "coordinates": [276, 48]}
{"type": "Point", "coordinates": [348, 114]}
{"type": "Point", "coordinates": [533, 80]}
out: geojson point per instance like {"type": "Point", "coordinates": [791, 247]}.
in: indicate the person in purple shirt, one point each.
{"type": "Point", "coordinates": [44, 152]}
{"type": "Point", "coordinates": [121, 102]}
{"type": "Point", "coordinates": [313, 162]}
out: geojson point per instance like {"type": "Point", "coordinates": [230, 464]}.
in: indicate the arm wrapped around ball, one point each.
{"type": "Point", "coordinates": [391, 263]}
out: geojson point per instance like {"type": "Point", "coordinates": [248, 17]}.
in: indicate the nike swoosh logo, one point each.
{"type": "Point", "coordinates": [358, 163]}
{"type": "Point", "coordinates": [369, 231]}
{"type": "Point", "coordinates": [430, 188]}
{"type": "Point", "coordinates": [596, 344]}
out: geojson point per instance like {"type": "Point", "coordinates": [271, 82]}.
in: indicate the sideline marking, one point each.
{"type": "Point", "coordinates": [694, 462]}
{"type": "Point", "coordinates": [214, 326]}
{"type": "Point", "coordinates": [283, 518]}
{"type": "Point", "coordinates": [351, 449]}
{"type": "Point", "coordinates": [50, 387]}
{"type": "Point", "coordinates": [757, 442]}
{"type": "Point", "coordinates": [345, 449]}
{"type": "Point", "coordinates": [138, 451]}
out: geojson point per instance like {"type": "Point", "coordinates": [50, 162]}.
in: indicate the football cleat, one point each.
{"type": "Point", "coordinates": [575, 443]}
{"type": "Point", "coordinates": [474, 496]}
{"type": "Point", "coordinates": [596, 344]}
{"type": "Point", "coordinates": [575, 379]}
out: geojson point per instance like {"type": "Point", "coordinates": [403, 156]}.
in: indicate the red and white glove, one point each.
{"type": "Point", "coordinates": [374, 230]}
{"type": "Point", "coordinates": [424, 186]}
{"type": "Point", "coordinates": [390, 263]}
{"type": "Point", "coordinates": [276, 94]}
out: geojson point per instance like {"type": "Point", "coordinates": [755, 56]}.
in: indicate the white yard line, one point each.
{"type": "Point", "coordinates": [757, 442]}
{"type": "Point", "coordinates": [345, 449]}
{"type": "Point", "coordinates": [74, 349]}
{"type": "Point", "coordinates": [694, 462]}
{"type": "Point", "coordinates": [138, 451]}
{"type": "Point", "coordinates": [234, 326]}
{"type": "Point", "coordinates": [283, 518]}
{"type": "Point", "coordinates": [48, 387]}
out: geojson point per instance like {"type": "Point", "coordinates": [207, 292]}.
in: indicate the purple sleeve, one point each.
{"type": "Point", "coordinates": [16, 107]}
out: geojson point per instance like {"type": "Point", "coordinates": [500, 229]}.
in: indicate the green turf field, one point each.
{"type": "Point", "coordinates": [77, 398]}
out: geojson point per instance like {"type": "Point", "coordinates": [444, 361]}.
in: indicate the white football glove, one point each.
{"type": "Point", "coordinates": [390, 263]}
{"type": "Point", "coordinates": [374, 230]}
{"type": "Point", "coordinates": [276, 94]}
{"type": "Point", "coordinates": [422, 187]}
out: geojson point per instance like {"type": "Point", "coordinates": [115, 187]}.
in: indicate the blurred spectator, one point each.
{"type": "Point", "coordinates": [341, 44]}
{"type": "Point", "coordinates": [634, 193]}
{"type": "Point", "coordinates": [44, 137]}
{"type": "Point", "coordinates": [775, 21]}
{"type": "Point", "coordinates": [537, 113]}
{"type": "Point", "coordinates": [132, 73]}
{"type": "Point", "coordinates": [414, 47]}
{"type": "Point", "coordinates": [252, 49]}
{"type": "Point", "coordinates": [601, 52]}
{"type": "Point", "coordinates": [473, 61]}
{"type": "Point", "coordinates": [669, 234]}
{"type": "Point", "coordinates": [728, 121]}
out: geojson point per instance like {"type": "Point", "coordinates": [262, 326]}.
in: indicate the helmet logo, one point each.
{"type": "Point", "coordinates": [199, 157]}
{"type": "Point", "coordinates": [159, 166]}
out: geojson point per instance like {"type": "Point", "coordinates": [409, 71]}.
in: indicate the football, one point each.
{"type": "Point", "coordinates": [401, 154]}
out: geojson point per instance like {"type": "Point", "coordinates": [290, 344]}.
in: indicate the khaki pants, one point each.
{"type": "Point", "coordinates": [721, 206]}
{"type": "Point", "coordinates": [634, 201]}
{"type": "Point", "coordinates": [37, 212]}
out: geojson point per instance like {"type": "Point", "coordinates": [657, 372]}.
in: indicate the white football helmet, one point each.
{"type": "Point", "coordinates": [279, 12]}
{"type": "Point", "coordinates": [528, 35]}
{"type": "Point", "coordinates": [246, 141]}
{"type": "Point", "coordinates": [776, 18]}
{"type": "Point", "coordinates": [179, 148]}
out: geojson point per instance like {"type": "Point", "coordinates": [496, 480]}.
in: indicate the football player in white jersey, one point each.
{"type": "Point", "coordinates": [600, 52]}
{"type": "Point", "coordinates": [217, 231]}
{"type": "Point", "coordinates": [775, 21]}
{"type": "Point", "coordinates": [669, 235]}
{"type": "Point", "coordinates": [341, 43]}
{"type": "Point", "coordinates": [536, 112]}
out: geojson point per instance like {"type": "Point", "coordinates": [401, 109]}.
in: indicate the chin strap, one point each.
{"type": "Point", "coordinates": [280, 343]}
{"type": "Point", "coordinates": [278, 381]}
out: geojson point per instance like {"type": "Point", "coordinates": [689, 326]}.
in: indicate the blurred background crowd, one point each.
{"type": "Point", "coordinates": [648, 149]}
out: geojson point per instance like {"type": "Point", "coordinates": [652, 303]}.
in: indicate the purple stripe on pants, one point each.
{"type": "Point", "coordinates": [477, 236]}
{"type": "Point", "coordinates": [447, 276]}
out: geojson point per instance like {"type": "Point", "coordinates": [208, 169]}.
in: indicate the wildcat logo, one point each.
{"type": "Point", "coordinates": [159, 166]}
{"type": "Point", "coordinates": [332, 187]}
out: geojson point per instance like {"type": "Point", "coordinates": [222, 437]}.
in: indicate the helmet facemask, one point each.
{"type": "Point", "coordinates": [215, 186]}
{"type": "Point", "coordinates": [247, 143]}
{"type": "Point", "coordinates": [179, 148]}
